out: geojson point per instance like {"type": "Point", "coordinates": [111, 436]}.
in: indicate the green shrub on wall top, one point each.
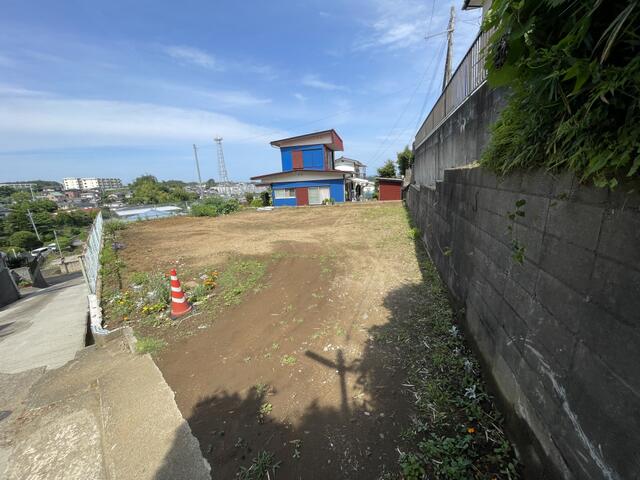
{"type": "Point", "coordinates": [573, 69]}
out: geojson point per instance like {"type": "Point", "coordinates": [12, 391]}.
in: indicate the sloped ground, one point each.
{"type": "Point", "coordinates": [106, 414]}
{"type": "Point", "coordinates": [338, 360]}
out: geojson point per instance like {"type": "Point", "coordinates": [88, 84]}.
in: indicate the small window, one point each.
{"type": "Point", "coordinates": [285, 193]}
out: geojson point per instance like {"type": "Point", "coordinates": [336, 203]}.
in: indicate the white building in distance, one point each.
{"type": "Point", "coordinates": [91, 183]}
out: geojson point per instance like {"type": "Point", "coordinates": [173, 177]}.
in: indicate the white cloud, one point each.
{"type": "Point", "coordinates": [403, 24]}
{"type": "Point", "coordinates": [14, 91]}
{"type": "Point", "coordinates": [235, 98]}
{"type": "Point", "coordinates": [192, 55]}
{"type": "Point", "coordinates": [300, 97]}
{"type": "Point", "coordinates": [201, 58]}
{"type": "Point", "coordinates": [314, 82]}
{"type": "Point", "coordinates": [399, 23]}
{"type": "Point", "coordinates": [397, 35]}
{"type": "Point", "coordinates": [28, 123]}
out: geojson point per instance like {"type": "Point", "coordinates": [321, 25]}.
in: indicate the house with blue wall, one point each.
{"type": "Point", "coordinates": [308, 175]}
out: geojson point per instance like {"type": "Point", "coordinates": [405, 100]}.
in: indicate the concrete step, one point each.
{"type": "Point", "coordinates": [107, 414]}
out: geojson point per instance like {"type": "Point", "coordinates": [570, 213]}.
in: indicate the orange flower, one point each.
{"type": "Point", "coordinates": [471, 430]}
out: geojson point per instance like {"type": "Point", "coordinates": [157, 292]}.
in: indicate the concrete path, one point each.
{"type": "Point", "coordinates": [108, 414]}
{"type": "Point", "coordinates": [74, 413]}
{"type": "Point", "coordinates": [45, 328]}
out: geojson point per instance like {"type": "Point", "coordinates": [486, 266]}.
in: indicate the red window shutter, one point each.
{"type": "Point", "coordinates": [297, 159]}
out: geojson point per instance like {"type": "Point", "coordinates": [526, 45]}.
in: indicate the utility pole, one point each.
{"type": "Point", "coordinates": [33, 197]}
{"type": "Point", "coordinates": [195, 153]}
{"type": "Point", "coordinates": [55, 235]}
{"type": "Point", "coordinates": [33, 224]}
{"type": "Point", "coordinates": [447, 65]}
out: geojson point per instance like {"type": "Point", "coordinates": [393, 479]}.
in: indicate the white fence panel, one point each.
{"type": "Point", "coordinates": [470, 74]}
{"type": "Point", "coordinates": [91, 257]}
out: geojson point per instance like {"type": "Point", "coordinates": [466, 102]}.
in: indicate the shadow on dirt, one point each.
{"type": "Point", "coordinates": [356, 440]}
{"type": "Point", "coordinates": [359, 438]}
{"type": "Point", "coordinates": [362, 436]}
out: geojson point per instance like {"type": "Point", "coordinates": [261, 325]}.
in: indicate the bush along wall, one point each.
{"type": "Point", "coordinates": [573, 69]}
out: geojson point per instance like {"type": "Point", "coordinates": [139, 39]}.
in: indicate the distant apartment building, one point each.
{"type": "Point", "coordinates": [91, 183]}
{"type": "Point", "coordinates": [71, 183]}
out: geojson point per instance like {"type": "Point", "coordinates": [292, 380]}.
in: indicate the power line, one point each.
{"type": "Point", "coordinates": [430, 87]}
{"type": "Point", "coordinates": [433, 8]}
{"type": "Point", "coordinates": [419, 117]}
{"type": "Point", "coordinates": [383, 148]}
{"type": "Point", "coordinates": [395, 124]}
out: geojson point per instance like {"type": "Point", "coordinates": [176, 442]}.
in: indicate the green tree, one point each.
{"type": "Point", "coordinates": [24, 239]}
{"type": "Point", "coordinates": [405, 160]}
{"type": "Point", "coordinates": [42, 210]}
{"type": "Point", "coordinates": [388, 170]}
{"type": "Point", "coordinates": [148, 190]}
{"type": "Point", "coordinates": [64, 242]}
{"type": "Point", "coordinates": [20, 196]}
{"type": "Point", "coordinates": [74, 218]}
{"type": "Point", "coordinates": [6, 192]}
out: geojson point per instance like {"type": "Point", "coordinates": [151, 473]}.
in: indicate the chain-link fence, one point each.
{"type": "Point", "coordinates": [91, 257]}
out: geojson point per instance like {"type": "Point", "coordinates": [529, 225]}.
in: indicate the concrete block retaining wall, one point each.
{"type": "Point", "coordinates": [559, 333]}
{"type": "Point", "coordinates": [461, 137]}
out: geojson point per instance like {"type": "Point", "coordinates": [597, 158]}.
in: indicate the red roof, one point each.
{"type": "Point", "coordinates": [299, 171]}
{"type": "Point", "coordinates": [336, 141]}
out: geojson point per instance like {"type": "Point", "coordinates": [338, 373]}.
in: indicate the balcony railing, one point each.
{"type": "Point", "coordinates": [470, 74]}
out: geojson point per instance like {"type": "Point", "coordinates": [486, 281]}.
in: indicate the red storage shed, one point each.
{"type": "Point", "coordinates": [389, 188]}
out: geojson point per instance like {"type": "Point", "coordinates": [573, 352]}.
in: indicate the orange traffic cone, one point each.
{"type": "Point", "coordinates": [179, 304]}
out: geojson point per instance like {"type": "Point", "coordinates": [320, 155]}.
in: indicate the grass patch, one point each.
{"type": "Point", "coordinates": [288, 360]}
{"type": "Point", "coordinates": [265, 409]}
{"type": "Point", "coordinates": [149, 345]}
{"type": "Point", "coordinates": [262, 467]}
{"type": "Point", "coordinates": [261, 389]}
{"type": "Point", "coordinates": [240, 277]}
{"type": "Point", "coordinates": [456, 431]}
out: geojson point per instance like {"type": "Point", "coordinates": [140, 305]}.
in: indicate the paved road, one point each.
{"type": "Point", "coordinates": [45, 328]}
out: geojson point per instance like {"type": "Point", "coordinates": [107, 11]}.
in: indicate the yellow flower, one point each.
{"type": "Point", "coordinates": [471, 430]}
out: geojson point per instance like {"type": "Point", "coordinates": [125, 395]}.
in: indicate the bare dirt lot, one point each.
{"type": "Point", "coordinates": [298, 353]}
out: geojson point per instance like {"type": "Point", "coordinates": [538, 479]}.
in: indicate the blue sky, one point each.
{"type": "Point", "coordinates": [119, 89]}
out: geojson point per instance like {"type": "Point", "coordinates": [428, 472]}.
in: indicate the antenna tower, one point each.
{"type": "Point", "coordinates": [222, 169]}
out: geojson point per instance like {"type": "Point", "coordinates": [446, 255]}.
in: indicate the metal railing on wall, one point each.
{"type": "Point", "coordinates": [90, 258]}
{"type": "Point", "coordinates": [470, 74]}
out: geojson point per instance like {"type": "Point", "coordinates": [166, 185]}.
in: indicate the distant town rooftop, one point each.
{"type": "Point", "coordinates": [330, 138]}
